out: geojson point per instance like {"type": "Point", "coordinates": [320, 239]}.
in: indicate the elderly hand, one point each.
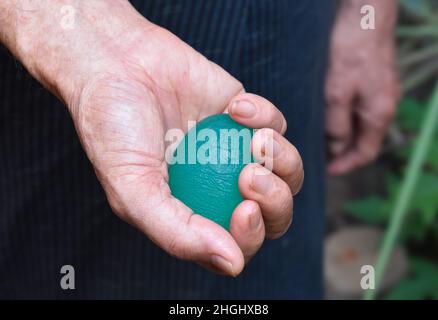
{"type": "Point", "coordinates": [126, 83]}
{"type": "Point", "coordinates": [362, 86]}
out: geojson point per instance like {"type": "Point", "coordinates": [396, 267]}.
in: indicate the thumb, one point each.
{"type": "Point", "coordinates": [171, 225]}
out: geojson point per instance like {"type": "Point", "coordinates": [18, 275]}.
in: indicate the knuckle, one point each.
{"type": "Point", "coordinates": [381, 116]}
{"type": "Point", "coordinates": [264, 134]}
{"type": "Point", "coordinates": [385, 107]}
{"type": "Point", "coordinates": [275, 120]}
{"type": "Point", "coordinates": [338, 132]}
{"type": "Point", "coordinates": [176, 245]}
{"type": "Point", "coordinates": [335, 96]}
{"type": "Point", "coordinates": [172, 246]}
{"type": "Point", "coordinates": [284, 207]}
{"type": "Point", "coordinates": [255, 244]}
{"type": "Point", "coordinates": [296, 162]}
{"type": "Point", "coordinates": [294, 174]}
{"type": "Point", "coordinates": [297, 184]}
{"type": "Point", "coordinates": [278, 223]}
{"type": "Point", "coordinates": [277, 232]}
{"type": "Point", "coordinates": [387, 113]}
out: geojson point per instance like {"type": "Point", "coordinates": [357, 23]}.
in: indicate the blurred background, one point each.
{"type": "Point", "coordinates": [365, 208]}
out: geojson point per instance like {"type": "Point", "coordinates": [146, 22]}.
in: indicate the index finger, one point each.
{"type": "Point", "coordinates": [256, 112]}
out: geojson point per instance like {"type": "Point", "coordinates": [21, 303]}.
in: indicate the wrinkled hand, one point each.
{"type": "Point", "coordinates": [362, 89]}
{"type": "Point", "coordinates": [127, 82]}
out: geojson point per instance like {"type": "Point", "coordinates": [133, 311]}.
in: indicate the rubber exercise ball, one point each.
{"type": "Point", "coordinates": [206, 165]}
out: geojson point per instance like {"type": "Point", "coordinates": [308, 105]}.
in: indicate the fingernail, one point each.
{"type": "Point", "coordinates": [243, 109]}
{"type": "Point", "coordinates": [222, 264]}
{"type": "Point", "coordinates": [254, 220]}
{"type": "Point", "coordinates": [261, 180]}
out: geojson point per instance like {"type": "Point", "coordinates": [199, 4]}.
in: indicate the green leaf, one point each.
{"type": "Point", "coordinates": [422, 9]}
{"type": "Point", "coordinates": [425, 197]}
{"type": "Point", "coordinates": [431, 160]}
{"type": "Point", "coordinates": [414, 229]}
{"type": "Point", "coordinates": [410, 289]}
{"type": "Point", "coordinates": [410, 114]}
{"type": "Point", "coordinates": [422, 284]}
{"type": "Point", "coordinates": [392, 183]}
{"type": "Point", "coordinates": [404, 152]}
{"type": "Point", "coordinates": [422, 266]}
{"type": "Point", "coordinates": [423, 208]}
{"type": "Point", "coordinates": [371, 210]}
{"type": "Point", "coordinates": [432, 157]}
{"type": "Point", "coordinates": [409, 117]}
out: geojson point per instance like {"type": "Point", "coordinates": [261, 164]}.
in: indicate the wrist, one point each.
{"type": "Point", "coordinates": [349, 35]}
{"type": "Point", "coordinates": [386, 13]}
{"type": "Point", "coordinates": [63, 43]}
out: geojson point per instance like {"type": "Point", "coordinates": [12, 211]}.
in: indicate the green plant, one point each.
{"type": "Point", "coordinates": [409, 206]}
{"type": "Point", "coordinates": [418, 46]}
{"type": "Point", "coordinates": [422, 284]}
{"type": "Point", "coordinates": [411, 196]}
{"type": "Point", "coordinates": [423, 208]}
{"type": "Point", "coordinates": [415, 199]}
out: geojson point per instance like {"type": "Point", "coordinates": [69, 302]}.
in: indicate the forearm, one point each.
{"type": "Point", "coordinates": [52, 37]}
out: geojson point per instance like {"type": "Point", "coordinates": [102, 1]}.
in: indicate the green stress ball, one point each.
{"type": "Point", "coordinates": [205, 167]}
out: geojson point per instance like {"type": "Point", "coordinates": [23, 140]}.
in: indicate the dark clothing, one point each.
{"type": "Point", "coordinates": [53, 211]}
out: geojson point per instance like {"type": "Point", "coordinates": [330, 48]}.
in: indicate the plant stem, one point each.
{"type": "Point", "coordinates": [420, 10]}
{"type": "Point", "coordinates": [423, 74]}
{"type": "Point", "coordinates": [417, 56]}
{"type": "Point", "coordinates": [406, 46]}
{"type": "Point", "coordinates": [408, 185]}
{"type": "Point", "coordinates": [417, 32]}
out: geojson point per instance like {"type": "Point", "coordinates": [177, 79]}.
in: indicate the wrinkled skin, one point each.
{"type": "Point", "coordinates": [126, 82]}
{"type": "Point", "coordinates": [362, 87]}
{"type": "Point", "coordinates": [121, 118]}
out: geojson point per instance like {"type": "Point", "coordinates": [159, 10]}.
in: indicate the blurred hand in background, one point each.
{"type": "Point", "coordinates": [362, 87]}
